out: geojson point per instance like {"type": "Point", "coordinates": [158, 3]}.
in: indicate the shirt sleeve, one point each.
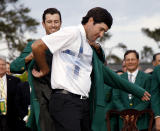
{"type": "Point", "coordinates": [60, 39]}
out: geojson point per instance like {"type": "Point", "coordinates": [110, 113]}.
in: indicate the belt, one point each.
{"type": "Point", "coordinates": [62, 91]}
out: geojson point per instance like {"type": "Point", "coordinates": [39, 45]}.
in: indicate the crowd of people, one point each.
{"type": "Point", "coordinates": [69, 87]}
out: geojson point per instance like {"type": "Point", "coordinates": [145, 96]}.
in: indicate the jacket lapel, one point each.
{"type": "Point", "coordinates": [138, 78]}
{"type": "Point", "coordinates": [8, 84]}
{"type": "Point", "coordinates": [125, 75]}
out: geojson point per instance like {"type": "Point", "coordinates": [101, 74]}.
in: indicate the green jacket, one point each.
{"type": "Point", "coordinates": [155, 91]}
{"type": "Point", "coordinates": [121, 100]}
{"type": "Point", "coordinates": [103, 75]}
{"type": "Point", "coordinates": [19, 66]}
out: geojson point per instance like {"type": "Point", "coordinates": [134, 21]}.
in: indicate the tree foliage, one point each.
{"type": "Point", "coordinates": [14, 24]}
{"type": "Point", "coordinates": [155, 34]}
{"type": "Point", "coordinates": [105, 37]}
{"type": "Point", "coordinates": [114, 57]}
{"type": "Point", "coordinates": [146, 54]}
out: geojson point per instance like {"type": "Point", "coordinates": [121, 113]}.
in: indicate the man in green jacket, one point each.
{"type": "Point", "coordinates": [123, 100]}
{"type": "Point", "coordinates": [155, 90]}
{"type": "Point", "coordinates": [73, 62]}
{"type": "Point", "coordinates": [40, 88]}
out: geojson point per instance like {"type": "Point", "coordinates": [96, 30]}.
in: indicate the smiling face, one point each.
{"type": "Point", "coordinates": [131, 62]}
{"type": "Point", "coordinates": [94, 31]}
{"type": "Point", "coordinates": [157, 60]}
{"type": "Point", "coordinates": [52, 23]}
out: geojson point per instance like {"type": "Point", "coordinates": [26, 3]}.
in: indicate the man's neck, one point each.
{"type": "Point", "coordinates": [1, 75]}
{"type": "Point", "coordinates": [132, 71]}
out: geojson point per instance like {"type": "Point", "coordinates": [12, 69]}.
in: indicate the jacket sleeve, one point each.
{"type": "Point", "coordinates": [19, 65]}
{"type": "Point", "coordinates": [155, 91]}
{"type": "Point", "coordinates": [115, 81]}
{"type": "Point", "coordinates": [145, 104]}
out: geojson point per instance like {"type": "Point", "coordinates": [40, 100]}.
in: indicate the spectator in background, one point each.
{"type": "Point", "coordinates": [22, 100]}
{"type": "Point", "coordinates": [155, 90]}
{"type": "Point", "coordinates": [8, 68]}
{"type": "Point", "coordinates": [124, 69]}
{"type": "Point", "coordinates": [156, 59]}
{"type": "Point", "coordinates": [123, 100]}
{"type": "Point", "coordinates": [9, 118]}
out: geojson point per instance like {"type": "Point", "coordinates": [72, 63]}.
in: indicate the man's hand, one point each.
{"type": "Point", "coordinates": [29, 57]}
{"type": "Point", "coordinates": [146, 96]}
{"type": "Point", "coordinates": [40, 73]}
{"type": "Point", "coordinates": [157, 123]}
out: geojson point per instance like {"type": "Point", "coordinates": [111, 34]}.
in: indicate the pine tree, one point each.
{"type": "Point", "coordinates": [14, 24]}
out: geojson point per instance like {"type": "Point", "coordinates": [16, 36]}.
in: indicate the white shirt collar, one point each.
{"type": "Point", "coordinates": [83, 32]}
{"type": "Point", "coordinates": [134, 74]}
{"type": "Point", "coordinates": [4, 77]}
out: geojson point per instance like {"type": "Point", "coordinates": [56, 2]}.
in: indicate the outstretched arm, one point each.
{"type": "Point", "coordinates": [38, 49]}
{"type": "Point", "coordinates": [115, 81]}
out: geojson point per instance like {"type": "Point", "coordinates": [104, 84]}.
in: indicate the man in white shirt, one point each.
{"type": "Point", "coordinates": [41, 87]}
{"type": "Point", "coordinates": [71, 69]}
{"type": "Point", "coordinates": [123, 100]}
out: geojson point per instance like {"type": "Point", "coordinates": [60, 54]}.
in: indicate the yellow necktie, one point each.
{"type": "Point", "coordinates": [3, 102]}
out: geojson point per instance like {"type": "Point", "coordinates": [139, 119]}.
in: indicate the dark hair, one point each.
{"type": "Point", "coordinates": [99, 15]}
{"type": "Point", "coordinates": [51, 11]}
{"type": "Point", "coordinates": [154, 56]}
{"type": "Point", "coordinates": [132, 51]}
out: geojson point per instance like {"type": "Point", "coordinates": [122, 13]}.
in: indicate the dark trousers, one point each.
{"type": "Point", "coordinates": [43, 93]}
{"type": "Point", "coordinates": [70, 113]}
{"type": "Point", "coordinates": [3, 123]}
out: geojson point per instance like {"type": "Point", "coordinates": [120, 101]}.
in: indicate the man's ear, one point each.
{"type": "Point", "coordinates": [91, 19]}
{"type": "Point", "coordinates": [153, 63]}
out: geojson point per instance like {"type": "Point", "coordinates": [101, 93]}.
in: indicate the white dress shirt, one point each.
{"type": "Point", "coordinates": [71, 64]}
{"type": "Point", "coordinates": [4, 85]}
{"type": "Point", "coordinates": [134, 75]}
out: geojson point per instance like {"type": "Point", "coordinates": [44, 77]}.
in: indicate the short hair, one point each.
{"type": "Point", "coordinates": [51, 11]}
{"type": "Point", "coordinates": [2, 58]}
{"type": "Point", "coordinates": [99, 15]}
{"type": "Point", "coordinates": [154, 56]}
{"type": "Point", "coordinates": [7, 62]}
{"type": "Point", "coordinates": [131, 51]}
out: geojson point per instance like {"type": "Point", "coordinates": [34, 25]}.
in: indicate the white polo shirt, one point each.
{"type": "Point", "coordinates": [72, 60]}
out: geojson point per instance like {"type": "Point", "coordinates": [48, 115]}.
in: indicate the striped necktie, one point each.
{"type": "Point", "coordinates": [3, 99]}
{"type": "Point", "coordinates": [130, 80]}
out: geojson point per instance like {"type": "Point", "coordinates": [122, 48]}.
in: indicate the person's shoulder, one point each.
{"type": "Point", "coordinates": [124, 74]}
{"type": "Point", "coordinates": [13, 77]}
{"type": "Point", "coordinates": [144, 76]}
{"type": "Point", "coordinates": [71, 29]}
{"type": "Point", "coordinates": [70, 32]}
